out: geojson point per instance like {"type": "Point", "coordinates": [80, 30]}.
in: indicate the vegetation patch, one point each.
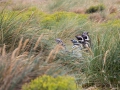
{"type": "Point", "coordinates": [28, 49]}
{"type": "Point", "coordinates": [50, 83]}
{"type": "Point", "coordinates": [96, 8]}
{"type": "Point", "coordinates": [112, 24]}
{"type": "Point", "coordinates": [51, 21]}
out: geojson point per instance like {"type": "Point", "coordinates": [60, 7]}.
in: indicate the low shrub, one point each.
{"type": "Point", "coordinates": [93, 9]}
{"type": "Point", "coordinates": [49, 83]}
{"type": "Point", "coordinates": [51, 21]}
{"type": "Point", "coordinates": [112, 10]}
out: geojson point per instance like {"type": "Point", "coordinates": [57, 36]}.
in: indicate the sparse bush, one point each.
{"type": "Point", "coordinates": [78, 10]}
{"type": "Point", "coordinates": [50, 83]}
{"type": "Point", "coordinates": [112, 9]}
{"type": "Point", "coordinates": [96, 17]}
{"type": "Point", "coordinates": [97, 8]}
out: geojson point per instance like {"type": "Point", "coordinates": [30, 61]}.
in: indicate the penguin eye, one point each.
{"type": "Point", "coordinates": [85, 37]}
{"type": "Point", "coordinates": [80, 39]}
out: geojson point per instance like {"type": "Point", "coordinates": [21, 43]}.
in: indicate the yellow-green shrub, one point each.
{"type": "Point", "coordinates": [48, 21]}
{"type": "Point", "coordinates": [56, 19]}
{"type": "Point", "coordinates": [49, 83]}
{"type": "Point", "coordinates": [32, 12]}
{"type": "Point", "coordinates": [112, 24]}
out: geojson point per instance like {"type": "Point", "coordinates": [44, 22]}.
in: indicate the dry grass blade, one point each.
{"type": "Point", "coordinates": [13, 69]}
{"type": "Point", "coordinates": [98, 39]}
{"type": "Point", "coordinates": [54, 52]}
{"type": "Point", "coordinates": [0, 50]}
{"type": "Point", "coordinates": [50, 56]}
{"type": "Point", "coordinates": [89, 49]}
{"type": "Point", "coordinates": [19, 46]}
{"type": "Point", "coordinates": [59, 47]}
{"type": "Point", "coordinates": [6, 83]}
{"type": "Point", "coordinates": [37, 43]}
{"type": "Point", "coordinates": [14, 54]}
{"type": "Point", "coordinates": [105, 56]}
{"type": "Point", "coordinates": [3, 50]}
{"type": "Point", "coordinates": [25, 43]}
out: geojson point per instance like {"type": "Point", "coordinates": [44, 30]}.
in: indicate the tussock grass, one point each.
{"type": "Point", "coordinates": [10, 26]}
{"type": "Point", "coordinates": [16, 66]}
{"type": "Point", "coordinates": [103, 67]}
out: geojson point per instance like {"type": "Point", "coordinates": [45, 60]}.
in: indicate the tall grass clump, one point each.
{"type": "Point", "coordinates": [11, 27]}
{"type": "Point", "coordinates": [22, 65]}
{"type": "Point", "coordinates": [14, 24]}
{"type": "Point", "coordinates": [6, 19]}
{"type": "Point", "coordinates": [103, 67]}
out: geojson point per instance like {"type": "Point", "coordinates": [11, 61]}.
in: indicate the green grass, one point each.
{"type": "Point", "coordinates": [103, 67]}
